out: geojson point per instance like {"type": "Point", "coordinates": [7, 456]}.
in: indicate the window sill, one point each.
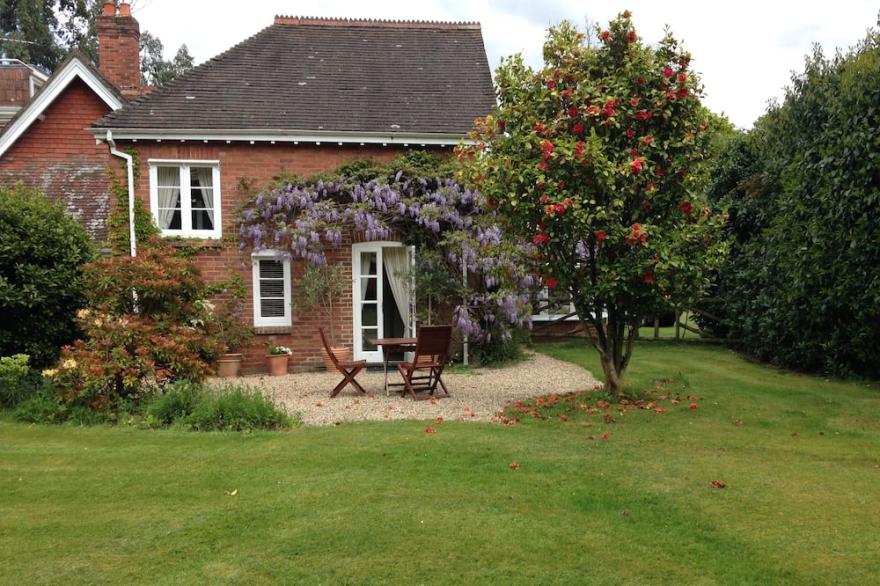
{"type": "Point", "coordinates": [268, 330]}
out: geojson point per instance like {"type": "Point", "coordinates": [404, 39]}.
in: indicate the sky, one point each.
{"type": "Point", "coordinates": [745, 50]}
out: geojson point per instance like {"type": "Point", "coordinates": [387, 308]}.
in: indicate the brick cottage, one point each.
{"type": "Point", "coordinates": [301, 96]}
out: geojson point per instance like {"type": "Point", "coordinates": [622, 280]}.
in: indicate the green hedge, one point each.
{"type": "Point", "coordinates": [42, 251]}
{"type": "Point", "coordinates": [801, 287]}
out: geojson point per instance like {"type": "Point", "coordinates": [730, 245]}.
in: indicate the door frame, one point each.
{"type": "Point", "coordinates": [375, 356]}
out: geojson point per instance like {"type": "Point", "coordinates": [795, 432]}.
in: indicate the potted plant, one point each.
{"type": "Point", "coordinates": [277, 359]}
{"type": "Point", "coordinates": [231, 329]}
{"type": "Point", "coordinates": [320, 286]}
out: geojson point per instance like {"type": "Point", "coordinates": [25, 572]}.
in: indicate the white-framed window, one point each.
{"type": "Point", "coordinates": [185, 198]}
{"type": "Point", "coordinates": [272, 290]}
{"type": "Point", "coordinates": [552, 305]}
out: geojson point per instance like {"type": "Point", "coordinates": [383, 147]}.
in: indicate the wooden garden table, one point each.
{"type": "Point", "coordinates": [388, 346]}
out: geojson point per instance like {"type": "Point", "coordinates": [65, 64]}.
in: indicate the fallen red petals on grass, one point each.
{"type": "Point", "coordinates": [605, 436]}
{"type": "Point", "coordinates": [430, 429]}
{"type": "Point", "coordinates": [563, 417]}
{"type": "Point", "coordinates": [439, 421]}
{"type": "Point", "coordinates": [513, 466]}
{"type": "Point", "coordinates": [693, 406]}
{"type": "Point", "coordinates": [738, 422]}
{"type": "Point", "coordinates": [660, 410]}
{"type": "Point", "coordinates": [718, 484]}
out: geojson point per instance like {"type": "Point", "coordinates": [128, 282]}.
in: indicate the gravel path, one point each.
{"type": "Point", "coordinates": [475, 397]}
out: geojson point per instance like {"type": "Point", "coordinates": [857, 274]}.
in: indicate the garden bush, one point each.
{"type": "Point", "coordinates": [18, 382]}
{"type": "Point", "coordinates": [199, 408]}
{"type": "Point", "coordinates": [42, 253]}
{"type": "Point", "coordinates": [801, 286]}
{"type": "Point", "coordinates": [147, 323]}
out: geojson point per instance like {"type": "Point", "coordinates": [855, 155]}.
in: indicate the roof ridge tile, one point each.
{"type": "Point", "coordinates": [284, 19]}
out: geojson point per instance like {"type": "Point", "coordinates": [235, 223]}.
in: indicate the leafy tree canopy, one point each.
{"type": "Point", "coordinates": [599, 160]}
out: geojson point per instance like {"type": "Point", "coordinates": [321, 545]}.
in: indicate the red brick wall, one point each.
{"type": "Point", "coordinates": [57, 155]}
{"type": "Point", "coordinates": [257, 164]}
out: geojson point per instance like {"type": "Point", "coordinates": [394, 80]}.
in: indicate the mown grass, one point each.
{"type": "Point", "coordinates": [389, 503]}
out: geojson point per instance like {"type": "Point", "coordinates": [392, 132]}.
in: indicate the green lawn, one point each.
{"type": "Point", "coordinates": [389, 503]}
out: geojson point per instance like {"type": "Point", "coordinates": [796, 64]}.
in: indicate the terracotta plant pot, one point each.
{"type": "Point", "coordinates": [277, 364]}
{"type": "Point", "coordinates": [342, 353]}
{"type": "Point", "coordinates": [229, 365]}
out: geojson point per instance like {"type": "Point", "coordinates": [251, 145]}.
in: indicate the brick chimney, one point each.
{"type": "Point", "coordinates": [119, 36]}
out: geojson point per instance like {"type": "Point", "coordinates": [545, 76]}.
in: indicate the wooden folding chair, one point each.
{"type": "Point", "coordinates": [431, 355]}
{"type": "Point", "coordinates": [348, 369]}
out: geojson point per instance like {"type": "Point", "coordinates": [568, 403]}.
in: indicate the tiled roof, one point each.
{"type": "Point", "coordinates": [333, 75]}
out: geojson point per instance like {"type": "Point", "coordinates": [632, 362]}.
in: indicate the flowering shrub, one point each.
{"type": "Point", "coordinates": [146, 324]}
{"type": "Point", "coordinates": [303, 219]}
{"type": "Point", "coordinates": [596, 160]}
{"type": "Point", "coordinates": [279, 351]}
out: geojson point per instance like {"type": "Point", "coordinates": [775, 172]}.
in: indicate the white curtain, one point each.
{"type": "Point", "coordinates": [396, 263]}
{"type": "Point", "coordinates": [205, 177]}
{"type": "Point", "coordinates": [169, 194]}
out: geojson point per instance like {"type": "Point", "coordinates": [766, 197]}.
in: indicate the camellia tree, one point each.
{"type": "Point", "coordinates": [594, 159]}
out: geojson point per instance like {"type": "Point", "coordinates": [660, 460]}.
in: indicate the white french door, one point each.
{"type": "Point", "coordinates": [372, 300]}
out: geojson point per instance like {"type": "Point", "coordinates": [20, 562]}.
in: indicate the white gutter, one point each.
{"type": "Point", "coordinates": [129, 163]}
{"type": "Point", "coordinates": [288, 136]}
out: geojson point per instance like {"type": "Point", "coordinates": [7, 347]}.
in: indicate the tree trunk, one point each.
{"type": "Point", "coordinates": [614, 342]}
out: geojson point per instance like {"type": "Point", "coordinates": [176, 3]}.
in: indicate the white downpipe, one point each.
{"type": "Point", "coordinates": [129, 163]}
{"type": "Point", "coordinates": [464, 346]}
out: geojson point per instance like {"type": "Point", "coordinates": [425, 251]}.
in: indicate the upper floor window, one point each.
{"type": "Point", "coordinates": [185, 198]}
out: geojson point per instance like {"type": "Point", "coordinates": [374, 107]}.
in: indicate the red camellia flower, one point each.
{"type": "Point", "coordinates": [649, 277]}
{"type": "Point", "coordinates": [572, 111]}
{"type": "Point", "coordinates": [649, 187]}
{"type": "Point", "coordinates": [646, 140]}
{"type": "Point", "coordinates": [539, 127]}
{"type": "Point", "coordinates": [547, 147]}
{"type": "Point", "coordinates": [633, 153]}
{"type": "Point", "coordinates": [579, 149]}
{"type": "Point", "coordinates": [605, 36]}
{"type": "Point", "coordinates": [551, 283]}
{"type": "Point", "coordinates": [682, 93]}
{"type": "Point", "coordinates": [551, 84]}
{"type": "Point", "coordinates": [634, 102]}
{"type": "Point", "coordinates": [641, 115]}
{"type": "Point", "coordinates": [667, 72]}
{"type": "Point", "coordinates": [577, 128]}
{"type": "Point", "coordinates": [569, 202]}
{"type": "Point", "coordinates": [541, 185]}
{"type": "Point", "coordinates": [543, 166]}
{"type": "Point", "coordinates": [560, 184]}
{"type": "Point", "coordinates": [631, 37]}
{"type": "Point", "coordinates": [682, 77]}
{"type": "Point", "coordinates": [501, 125]}
{"type": "Point", "coordinates": [601, 235]}
{"type": "Point", "coordinates": [544, 198]}
{"type": "Point", "coordinates": [636, 166]}
{"type": "Point", "coordinates": [560, 208]}
{"type": "Point", "coordinates": [630, 132]}
{"type": "Point", "coordinates": [567, 93]}
{"type": "Point", "coordinates": [686, 207]}
{"type": "Point", "coordinates": [540, 239]}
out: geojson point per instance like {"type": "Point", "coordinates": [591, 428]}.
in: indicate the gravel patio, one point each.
{"type": "Point", "coordinates": [475, 397]}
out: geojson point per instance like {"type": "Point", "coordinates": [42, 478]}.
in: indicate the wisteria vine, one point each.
{"type": "Point", "coordinates": [303, 220]}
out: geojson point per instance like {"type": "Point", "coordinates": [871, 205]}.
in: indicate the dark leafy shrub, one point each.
{"type": "Point", "coordinates": [236, 409]}
{"type": "Point", "coordinates": [801, 286]}
{"type": "Point", "coordinates": [42, 252]}
{"type": "Point", "coordinates": [497, 351]}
